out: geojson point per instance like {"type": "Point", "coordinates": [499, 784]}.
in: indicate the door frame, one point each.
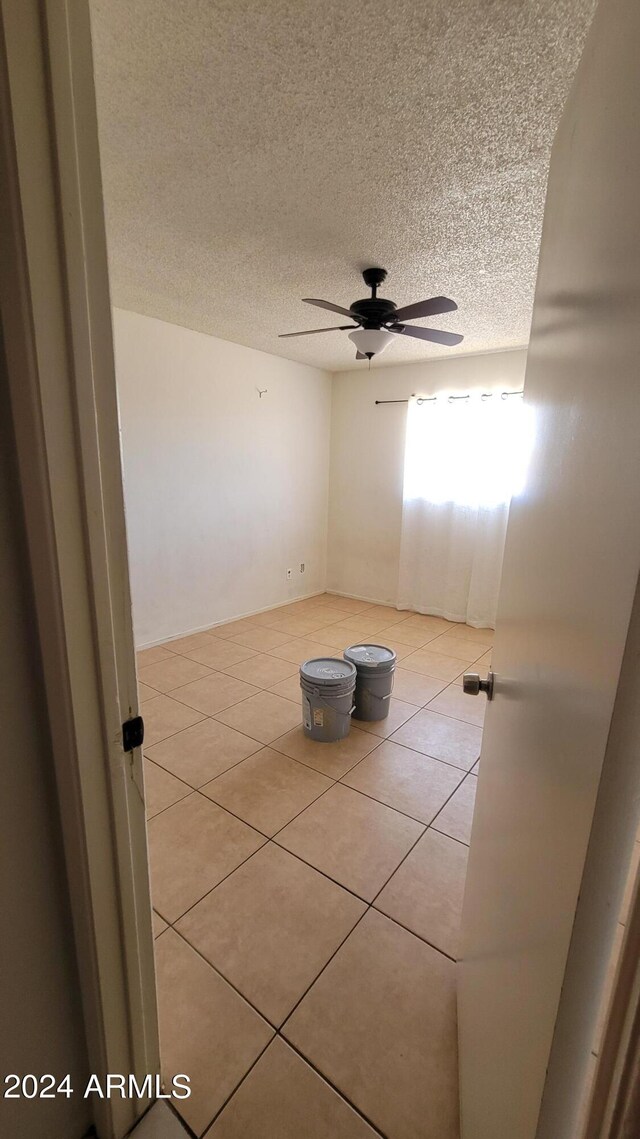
{"type": "Point", "coordinates": [614, 1109]}
{"type": "Point", "coordinates": [56, 317]}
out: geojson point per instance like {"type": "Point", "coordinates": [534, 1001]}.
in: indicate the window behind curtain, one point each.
{"type": "Point", "coordinates": [465, 460]}
{"type": "Point", "coordinates": [471, 451]}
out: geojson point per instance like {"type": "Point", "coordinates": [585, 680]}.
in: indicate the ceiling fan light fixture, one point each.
{"type": "Point", "coordinates": [371, 341]}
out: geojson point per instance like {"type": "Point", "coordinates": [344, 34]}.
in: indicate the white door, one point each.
{"type": "Point", "coordinates": [571, 564]}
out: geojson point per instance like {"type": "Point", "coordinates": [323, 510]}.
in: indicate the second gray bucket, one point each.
{"type": "Point", "coordinates": [376, 665]}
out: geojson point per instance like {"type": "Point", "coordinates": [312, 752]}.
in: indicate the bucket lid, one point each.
{"type": "Point", "coordinates": [371, 657]}
{"type": "Point", "coordinates": [327, 670]}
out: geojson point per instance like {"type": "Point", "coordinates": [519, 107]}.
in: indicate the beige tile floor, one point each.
{"type": "Point", "coordinates": [307, 896]}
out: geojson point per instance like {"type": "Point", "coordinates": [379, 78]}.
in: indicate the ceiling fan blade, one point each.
{"type": "Point", "coordinates": [330, 306]}
{"type": "Point", "coordinates": [432, 307]}
{"type": "Point", "coordinates": [434, 334]}
{"type": "Point", "coordinates": [311, 331]}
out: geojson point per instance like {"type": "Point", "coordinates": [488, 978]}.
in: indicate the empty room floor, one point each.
{"type": "Point", "coordinates": [307, 896]}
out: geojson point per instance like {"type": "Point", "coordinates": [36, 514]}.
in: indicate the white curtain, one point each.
{"type": "Point", "coordinates": [464, 460]}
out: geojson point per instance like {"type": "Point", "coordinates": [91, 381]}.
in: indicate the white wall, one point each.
{"type": "Point", "coordinates": [367, 459]}
{"type": "Point", "coordinates": [224, 490]}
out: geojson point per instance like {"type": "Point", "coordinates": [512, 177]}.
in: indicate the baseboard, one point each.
{"type": "Point", "coordinates": [359, 597]}
{"type": "Point", "coordinates": [230, 620]}
{"type": "Point", "coordinates": [447, 616]}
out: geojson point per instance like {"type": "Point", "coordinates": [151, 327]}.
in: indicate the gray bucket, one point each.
{"type": "Point", "coordinates": [376, 665]}
{"type": "Point", "coordinates": [327, 698]}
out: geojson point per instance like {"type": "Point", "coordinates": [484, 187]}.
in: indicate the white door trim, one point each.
{"type": "Point", "coordinates": [615, 1101]}
{"type": "Point", "coordinates": [57, 326]}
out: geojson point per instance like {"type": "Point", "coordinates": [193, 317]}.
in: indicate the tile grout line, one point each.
{"type": "Point", "coordinates": [224, 671]}
{"type": "Point", "coordinates": [268, 652]}
{"type": "Point", "coordinates": [398, 810]}
{"type": "Point", "coordinates": [199, 791]}
{"type": "Point", "coordinates": [210, 891]}
{"type": "Point", "coordinates": [275, 1028]}
{"type": "Point", "coordinates": [188, 1128]}
{"type": "Point", "coordinates": [334, 1087]}
{"type": "Point", "coordinates": [451, 837]}
{"type": "Point", "coordinates": [305, 1059]}
{"type": "Point", "coordinates": [368, 906]}
{"type": "Point", "coordinates": [273, 839]}
{"type": "Point", "coordinates": [402, 860]}
{"type": "Point", "coordinates": [315, 634]}
{"type": "Point", "coordinates": [220, 974]}
{"type": "Point", "coordinates": [342, 886]}
{"type": "Point", "coordinates": [211, 715]}
{"type": "Point", "coordinates": [324, 967]}
{"type": "Point", "coordinates": [435, 818]}
{"type": "Point", "coordinates": [334, 781]}
{"type": "Point", "coordinates": [269, 837]}
{"type": "Point", "coordinates": [416, 751]}
{"type": "Point", "coordinates": [231, 766]}
{"type": "Point", "coordinates": [236, 1088]}
{"type": "Point", "coordinates": [162, 810]}
{"type": "Point", "coordinates": [427, 708]}
{"type": "Point", "coordinates": [424, 940]}
{"type": "Point", "coordinates": [382, 739]}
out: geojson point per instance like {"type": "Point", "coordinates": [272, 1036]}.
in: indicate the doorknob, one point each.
{"type": "Point", "coordinates": [473, 685]}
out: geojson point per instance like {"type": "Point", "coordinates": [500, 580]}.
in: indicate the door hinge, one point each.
{"type": "Point", "coordinates": [132, 733]}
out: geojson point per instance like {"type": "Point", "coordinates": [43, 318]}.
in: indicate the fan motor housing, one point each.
{"type": "Point", "coordinates": [373, 311]}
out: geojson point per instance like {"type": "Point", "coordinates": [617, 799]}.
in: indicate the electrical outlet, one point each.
{"type": "Point", "coordinates": [301, 567]}
{"type": "Point", "coordinates": [289, 574]}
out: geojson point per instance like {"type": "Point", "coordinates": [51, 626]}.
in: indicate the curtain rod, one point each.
{"type": "Point", "coordinates": [451, 398]}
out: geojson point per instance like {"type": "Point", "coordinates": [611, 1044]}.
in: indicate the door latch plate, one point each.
{"type": "Point", "coordinates": [132, 733]}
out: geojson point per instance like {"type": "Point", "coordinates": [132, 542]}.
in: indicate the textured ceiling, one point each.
{"type": "Point", "coordinates": [258, 151]}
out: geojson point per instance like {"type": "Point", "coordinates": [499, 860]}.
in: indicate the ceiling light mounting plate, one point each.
{"type": "Point", "coordinates": [374, 308]}
{"type": "Point", "coordinates": [374, 277]}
